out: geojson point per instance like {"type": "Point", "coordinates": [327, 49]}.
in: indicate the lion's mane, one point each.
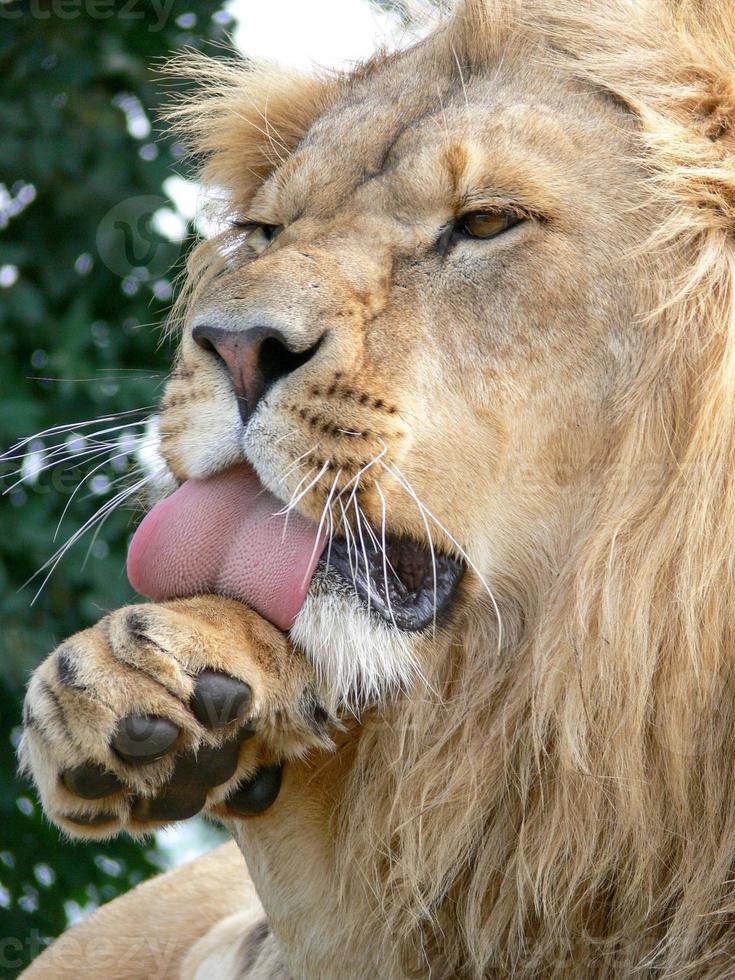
{"type": "Point", "coordinates": [568, 809]}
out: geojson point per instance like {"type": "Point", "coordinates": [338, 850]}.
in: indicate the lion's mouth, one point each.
{"type": "Point", "coordinates": [402, 581]}
{"type": "Point", "coordinates": [228, 535]}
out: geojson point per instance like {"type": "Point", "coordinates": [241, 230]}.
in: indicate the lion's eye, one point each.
{"type": "Point", "coordinates": [487, 224]}
{"type": "Point", "coordinates": [258, 229]}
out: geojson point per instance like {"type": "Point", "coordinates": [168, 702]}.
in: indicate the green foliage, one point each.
{"type": "Point", "coordinates": [79, 338]}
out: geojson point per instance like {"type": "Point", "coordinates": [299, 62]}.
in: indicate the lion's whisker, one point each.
{"type": "Point", "coordinates": [99, 527]}
{"type": "Point", "coordinates": [60, 455]}
{"type": "Point", "coordinates": [412, 493]}
{"type": "Point", "coordinates": [286, 435]}
{"type": "Point", "coordinates": [359, 519]}
{"type": "Point", "coordinates": [83, 479]}
{"type": "Point", "coordinates": [349, 541]}
{"type": "Point", "coordinates": [357, 477]}
{"type": "Point", "coordinates": [373, 536]}
{"type": "Point", "coordinates": [61, 452]}
{"type": "Point", "coordinates": [115, 375]}
{"type": "Point", "coordinates": [378, 547]}
{"type": "Point", "coordinates": [295, 499]}
{"type": "Point", "coordinates": [133, 471]}
{"type": "Point", "coordinates": [414, 664]}
{"type": "Point", "coordinates": [288, 506]}
{"type": "Point", "coordinates": [328, 510]}
{"type": "Point", "coordinates": [70, 426]}
{"type": "Point", "coordinates": [62, 464]}
{"type": "Point", "coordinates": [289, 469]}
{"type": "Point", "coordinates": [384, 550]}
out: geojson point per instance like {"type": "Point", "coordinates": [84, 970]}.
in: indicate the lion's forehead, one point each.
{"type": "Point", "coordinates": [395, 150]}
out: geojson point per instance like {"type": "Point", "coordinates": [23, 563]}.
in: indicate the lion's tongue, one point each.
{"type": "Point", "coordinates": [222, 535]}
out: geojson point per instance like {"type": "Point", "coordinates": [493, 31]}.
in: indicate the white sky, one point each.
{"type": "Point", "coordinates": [329, 33]}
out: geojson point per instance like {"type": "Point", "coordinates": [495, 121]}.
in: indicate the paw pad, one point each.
{"type": "Point", "coordinates": [218, 699]}
{"type": "Point", "coordinates": [175, 804]}
{"type": "Point", "coordinates": [91, 782]}
{"type": "Point", "coordinates": [144, 738]}
{"type": "Point", "coordinates": [258, 793]}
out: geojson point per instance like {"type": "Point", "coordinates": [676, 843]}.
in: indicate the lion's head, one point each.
{"type": "Point", "coordinates": [473, 308]}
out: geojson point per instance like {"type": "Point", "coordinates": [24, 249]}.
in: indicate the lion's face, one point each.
{"type": "Point", "coordinates": [424, 318]}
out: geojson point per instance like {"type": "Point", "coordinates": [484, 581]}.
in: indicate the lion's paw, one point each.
{"type": "Point", "coordinates": [162, 711]}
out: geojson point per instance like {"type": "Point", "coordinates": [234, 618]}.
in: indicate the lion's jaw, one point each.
{"type": "Point", "coordinates": [459, 386]}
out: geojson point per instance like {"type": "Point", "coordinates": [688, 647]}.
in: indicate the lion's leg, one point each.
{"type": "Point", "coordinates": [159, 711]}
{"type": "Point", "coordinates": [150, 931]}
{"type": "Point", "coordinates": [154, 663]}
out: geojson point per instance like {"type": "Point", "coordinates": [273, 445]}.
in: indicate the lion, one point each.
{"type": "Point", "coordinates": [464, 696]}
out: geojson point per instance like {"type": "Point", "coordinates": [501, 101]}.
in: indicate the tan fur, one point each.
{"type": "Point", "coordinates": [546, 790]}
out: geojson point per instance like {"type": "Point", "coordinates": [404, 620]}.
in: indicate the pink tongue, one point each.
{"type": "Point", "coordinates": [221, 536]}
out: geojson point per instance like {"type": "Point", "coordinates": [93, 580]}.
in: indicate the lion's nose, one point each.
{"type": "Point", "coordinates": [255, 358]}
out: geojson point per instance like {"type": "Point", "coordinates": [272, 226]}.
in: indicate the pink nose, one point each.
{"type": "Point", "coordinates": [255, 358]}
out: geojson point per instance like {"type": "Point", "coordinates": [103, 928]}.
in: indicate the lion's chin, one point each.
{"type": "Point", "coordinates": [358, 656]}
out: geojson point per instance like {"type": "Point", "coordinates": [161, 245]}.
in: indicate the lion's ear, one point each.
{"type": "Point", "coordinates": [691, 119]}
{"type": "Point", "coordinates": [243, 119]}
{"type": "Point", "coordinates": [707, 32]}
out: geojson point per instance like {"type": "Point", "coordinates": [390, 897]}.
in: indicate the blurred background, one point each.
{"type": "Point", "coordinates": [96, 214]}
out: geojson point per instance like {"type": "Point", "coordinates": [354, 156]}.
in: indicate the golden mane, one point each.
{"type": "Point", "coordinates": [573, 801]}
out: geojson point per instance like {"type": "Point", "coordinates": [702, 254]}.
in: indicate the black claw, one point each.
{"type": "Point", "coordinates": [93, 820]}
{"type": "Point", "coordinates": [173, 805]}
{"type": "Point", "coordinates": [219, 699]}
{"type": "Point", "coordinates": [91, 781]}
{"type": "Point", "coordinates": [144, 738]}
{"type": "Point", "coordinates": [258, 793]}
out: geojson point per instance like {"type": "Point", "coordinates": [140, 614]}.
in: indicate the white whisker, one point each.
{"type": "Point", "coordinates": [360, 517]}
{"type": "Point", "coordinates": [70, 426]}
{"type": "Point", "coordinates": [87, 455]}
{"type": "Point", "coordinates": [105, 462]}
{"type": "Point", "coordinates": [327, 509]}
{"type": "Point", "coordinates": [384, 550]}
{"type": "Point", "coordinates": [288, 506]}
{"type": "Point", "coordinates": [357, 477]}
{"type": "Point", "coordinates": [412, 493]}
{"type": "Point", "coordinates": [289, 469]}
{"type": "Point", "coordinates": [286, 435]}
{"type": "Point", "coordinates": [294, 500]}
{"type": "Point", "coordinates": [349, 541]}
